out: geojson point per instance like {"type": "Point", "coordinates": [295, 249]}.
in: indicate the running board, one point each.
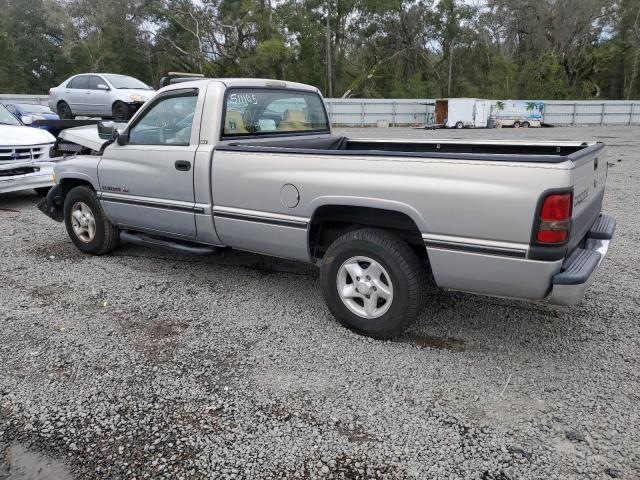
{"type": "Point", "coordinates": [147, 241]}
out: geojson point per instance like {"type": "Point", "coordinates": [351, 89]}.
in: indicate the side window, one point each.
{"type": "Point", "coordinates": [167, 122]}
{"type": "Point", "coordinates": [81, 82]}
{"type": "Point", "coordinates": [12, 109]}
{"type": "Point", "coordinates": [71, 83]}
{"type": "Point", "coordinates": [93, 82]}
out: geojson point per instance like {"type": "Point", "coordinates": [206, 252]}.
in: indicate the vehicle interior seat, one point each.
{"type": "Point", "coordinates": [293, 120]}
{"type": "Point", "coordinates": [233, 123]}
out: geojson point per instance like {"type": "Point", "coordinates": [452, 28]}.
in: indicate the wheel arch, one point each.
{"type": "Point", "coordinates": [332, 219]}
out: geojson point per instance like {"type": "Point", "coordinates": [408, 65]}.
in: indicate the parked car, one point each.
{"type": "Point", "coordinates": [252, 164]}
{"type": "Point", "coordinates": [24, 156]}
{"type": "Point", "coordinates": [104, 95]}
{"type": "Point", "coordinates": [28, 113]}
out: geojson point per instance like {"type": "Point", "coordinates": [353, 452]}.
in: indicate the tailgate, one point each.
{"type": "Point", "coordinates": [588, 179]}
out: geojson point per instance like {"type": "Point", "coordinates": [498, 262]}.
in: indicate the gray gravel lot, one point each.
{"type": "Point", "coordinates": [151, 364]}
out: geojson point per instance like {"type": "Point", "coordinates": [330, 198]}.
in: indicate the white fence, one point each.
{"type": "Point", "coordinates": [368, 112]}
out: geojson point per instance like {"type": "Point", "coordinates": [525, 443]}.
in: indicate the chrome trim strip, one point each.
{"type": "Point", "coordinates": [178, 206]}
{"type": "Point", "coordinates": [486, 249]}
{"type": "Point", "coordinates": [261, 217]}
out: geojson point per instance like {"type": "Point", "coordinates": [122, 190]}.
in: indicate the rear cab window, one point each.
{"type": "Point", "coordinates": [267, 111]}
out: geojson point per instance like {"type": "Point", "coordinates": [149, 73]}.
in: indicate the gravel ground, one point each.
{"type": "Point", "coordinates": [151, 364]}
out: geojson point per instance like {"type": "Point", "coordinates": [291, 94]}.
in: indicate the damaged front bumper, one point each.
{"type": "Point", "coordinates": [52, 204]}
{"type": "Point", "coordinates": [25, 176]}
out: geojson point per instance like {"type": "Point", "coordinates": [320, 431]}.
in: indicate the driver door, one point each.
{"type": "Point", "coordinates": [147, 183]}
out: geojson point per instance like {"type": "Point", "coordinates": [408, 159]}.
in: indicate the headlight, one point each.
{"type": "Point", "coordinates": [137, 98]}
{"type": "Point", "coordinates": [29, 119]}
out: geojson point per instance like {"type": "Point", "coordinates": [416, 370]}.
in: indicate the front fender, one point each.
{"type": "Point", "coordinates": [52, 204]}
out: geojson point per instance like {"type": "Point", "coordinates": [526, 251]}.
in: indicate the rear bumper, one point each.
{"type": "Point", "coordinates": [38, 179]}
{"type": "Point", "coordinates": [570, 284]}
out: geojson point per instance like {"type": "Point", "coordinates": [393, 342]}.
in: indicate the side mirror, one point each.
{"type": "Point", "coordinates": [107, 130]}
{"type": "Point", "coordinates": [122, 138]}
{"type": "Point", "coordinates": [102, 86]}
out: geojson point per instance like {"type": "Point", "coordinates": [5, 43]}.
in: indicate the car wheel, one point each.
{"type": "Point", "coordinates": [120, 112]}
{"type": "Point", "coordinates": [373, 283]}
{"type": "Point", "coordinates": [87, 225]}
{"type": "Point", "coordinates": [64, 111]}
{"type": "Point", "coordinates": [42, 192]}
{"type": "Point", "coordinates": [525, 125]}
{"type": "Point", "coordinates": [516, 124]}
{"type": "Point", "coordinates": [459, 125]}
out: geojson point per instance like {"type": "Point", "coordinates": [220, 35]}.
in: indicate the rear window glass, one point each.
{"type": "Point", "coordinates": [267, 111]}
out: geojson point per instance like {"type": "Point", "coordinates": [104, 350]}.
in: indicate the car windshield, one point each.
{"type": "Point", "coordinates": [6, 118]}
{"type": "Point", "coordinates": [29, 108]}
{"type": "Point", "coordinates": [268, 111]}
{"type": "Point", "coordinates": [122, 81]}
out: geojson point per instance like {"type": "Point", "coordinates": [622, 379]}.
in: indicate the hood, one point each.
{"type": "Point", "coordinates": [19, 135]}
{"type": "Point", "coordinates": [87, 136]}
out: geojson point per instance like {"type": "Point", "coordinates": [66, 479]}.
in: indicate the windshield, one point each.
{"type": "Point", "coordinates": [268, 111]}
{"type": "Point", "coordinates": [28, 108]}
{"type": "Point", "coordinates": [122, 81]}
{"type": "Point", "coordinates": [6, 118]}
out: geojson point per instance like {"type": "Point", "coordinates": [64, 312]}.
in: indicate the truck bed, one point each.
{"type": "Point", "coordinates": [546, 152]}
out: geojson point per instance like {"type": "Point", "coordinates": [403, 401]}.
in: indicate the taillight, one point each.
{"type": "Point", "coordinates": [50, 92]}
{"type": "Point", "coordinates": [555, 218]}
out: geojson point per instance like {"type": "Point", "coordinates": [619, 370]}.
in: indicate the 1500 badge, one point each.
{"type": "Point", "coordinates": [109, 188]}
{"type": "Point", "coordinates": [581, 197]}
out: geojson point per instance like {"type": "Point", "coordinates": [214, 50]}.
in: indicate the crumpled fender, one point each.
{"type": "Point", "coordinates": [52, 205]}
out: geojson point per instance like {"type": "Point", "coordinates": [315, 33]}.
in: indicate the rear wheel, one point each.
{"type": "Point", "coordinates": [64, 111]}
{"type": "Point", "coordinates": [120, 111]}
{"type": "Point", "coordinates": [459, 125]}
{"type": "Point", "coordinates": [373, 283]}
{"type": "Point", "coordinates": [516, 124]}
{"type": "Point", "coordinates": [87, 225]}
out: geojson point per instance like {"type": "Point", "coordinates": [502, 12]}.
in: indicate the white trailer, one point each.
{"type": "Point", "coordinates": [463, 112]}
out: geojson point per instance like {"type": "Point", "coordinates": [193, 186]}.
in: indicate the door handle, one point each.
{"type": "Point", "coordinates": [183, 165]}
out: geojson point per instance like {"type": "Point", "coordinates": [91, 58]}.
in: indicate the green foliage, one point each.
{"type": "Point", "coordinates": [395, 48]}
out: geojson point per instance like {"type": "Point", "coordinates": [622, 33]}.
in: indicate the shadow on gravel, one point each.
{"type": "Point", "coordinates": [20, 463]}
{"type": "Point", "coordinates": [449, 343]}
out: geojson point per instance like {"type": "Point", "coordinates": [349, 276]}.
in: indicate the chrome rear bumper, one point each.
{"type": "Point", "coordinates": [577, 271]}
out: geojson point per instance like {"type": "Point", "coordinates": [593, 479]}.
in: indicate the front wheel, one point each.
{"type": "Point", "coordinates": [459, 125]}
{"type": "Point", "coordinates": [373, 283]}
{"type": "Point", "coordinates": [526, 124]}
{"type": "Point", "coordinates": [87, 225]}
{"type": "Point", "coordinates": [120, 112]}
{"type": "Point", "coordinates": [516, 124]}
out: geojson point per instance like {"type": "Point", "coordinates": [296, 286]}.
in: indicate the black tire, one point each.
{"type": "Point", "coordinates": [120, 111]}
{"type": "Point", "coordinates": [106, 235]}
{"type": "Point", "coordinates": [406, 274]}
{"type": "Point", "coordinates": [526, 124]}
{"type": "Point", "coordinates": [516, 124]}
{"type": "Point", "coordinates": [64, 111]}
{"type": "Point", "coordinates": [42, 191]}
{"type": "Point", "coordinates": [459, 125]}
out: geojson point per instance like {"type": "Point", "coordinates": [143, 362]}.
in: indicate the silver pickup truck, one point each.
{"type": "Point", "coordinates": [252, 164]}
